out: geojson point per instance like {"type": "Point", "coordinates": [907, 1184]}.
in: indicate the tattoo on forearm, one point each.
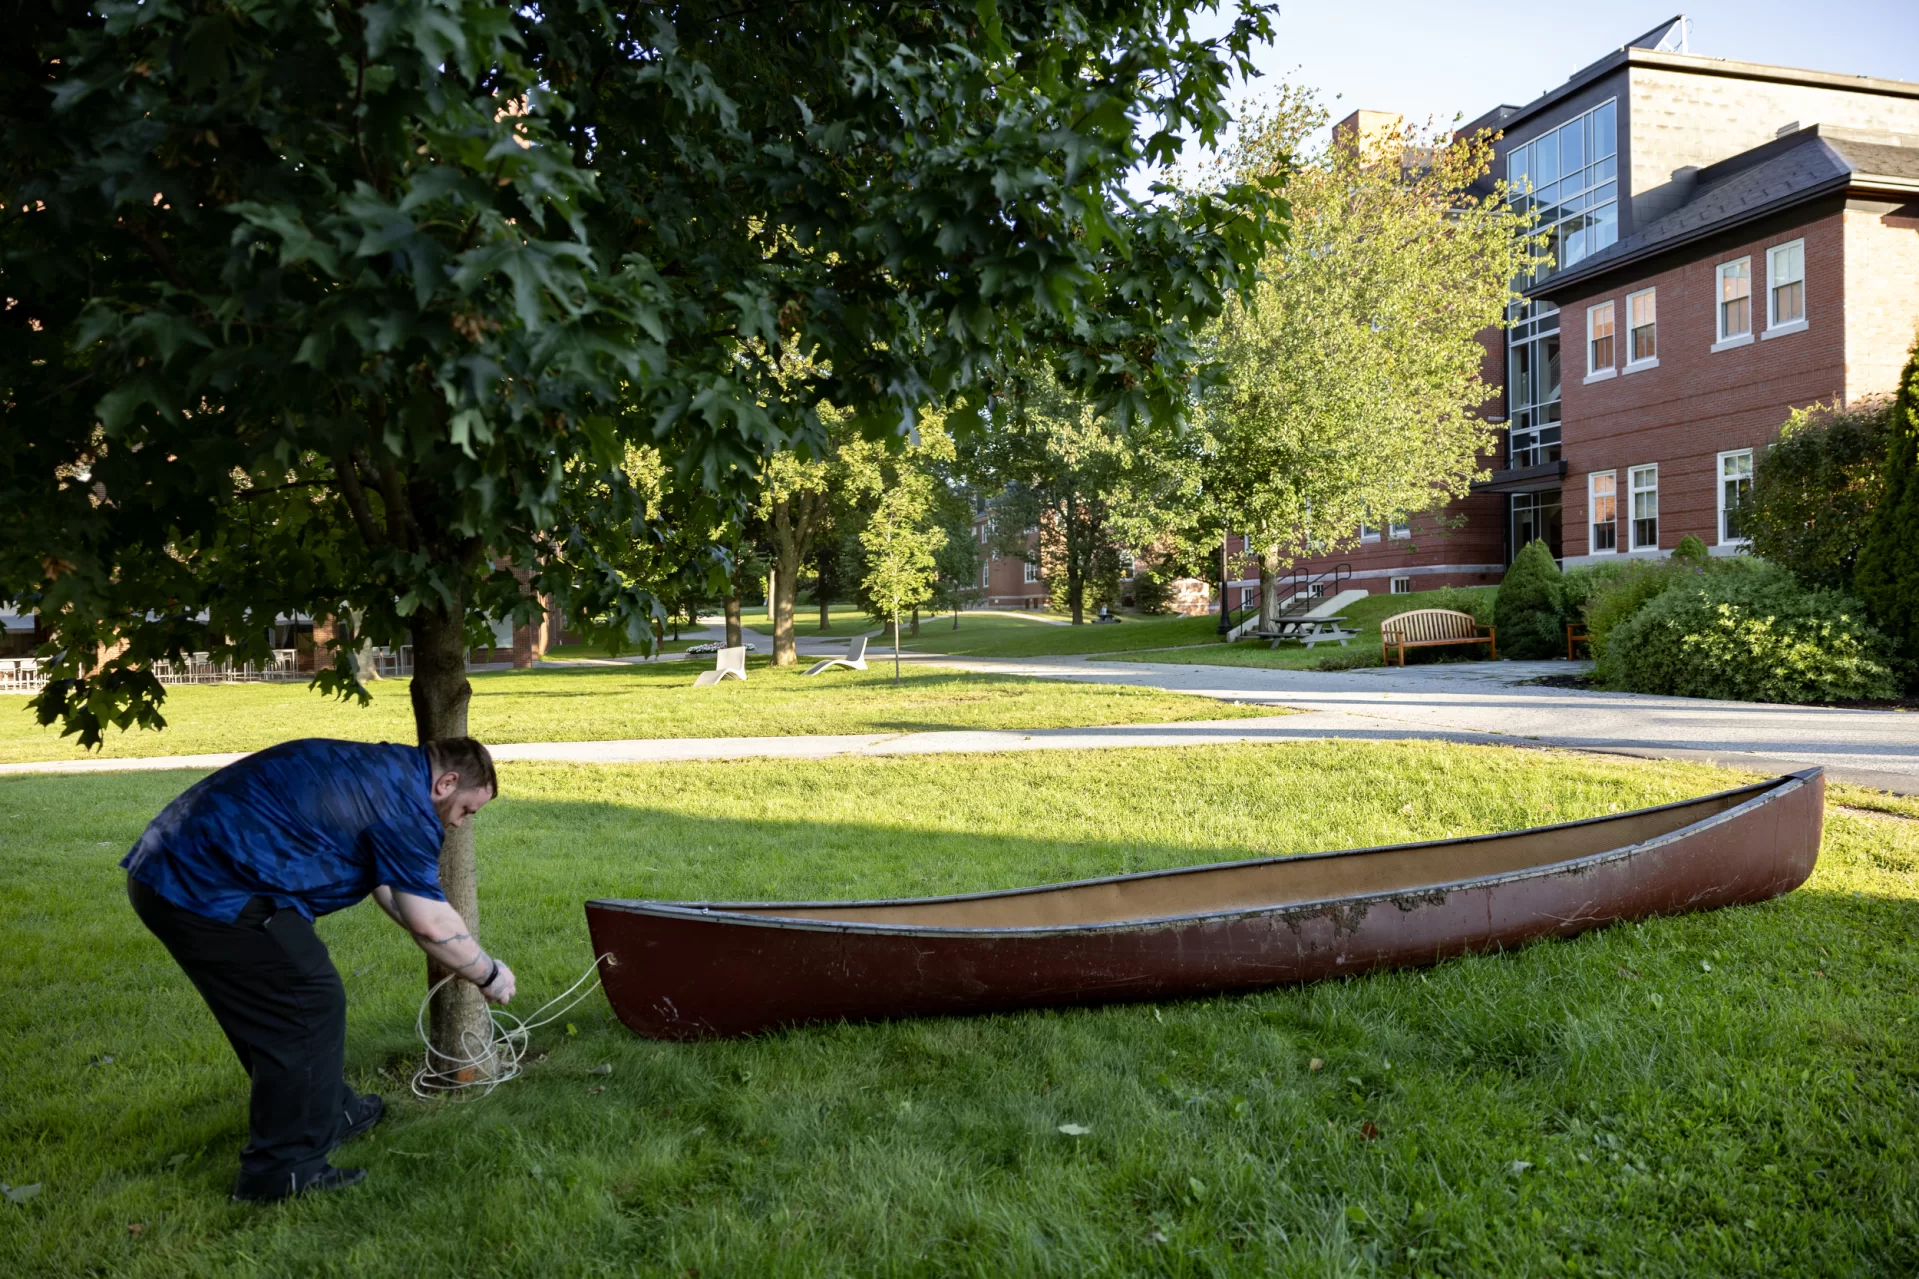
{"type": "Point", "coordinates": [431, 940]}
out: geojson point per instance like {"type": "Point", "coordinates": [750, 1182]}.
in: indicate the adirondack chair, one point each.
{"type": "Point", "coordinates": [1432, 628]}
{"type": "Point", "coordinates": [730, 662]}
{"type": "Point", "coordinates": [855, 659]}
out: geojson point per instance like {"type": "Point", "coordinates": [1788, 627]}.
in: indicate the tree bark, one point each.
{"type": "Point", "coordinates": [915, 632]}
{"type": "Point", "coordinates": [733, 637]}
{"type": "Point", "coordinates": [789, 549]}
{"type": "Point", "coordinates": [1269, 588]}
{"type": "Point", "coordinates": [459, 1022]}
{"type": "Point", "coordinates": [826, 609]}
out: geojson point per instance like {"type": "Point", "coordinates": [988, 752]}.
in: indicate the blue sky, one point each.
{"type": "Point", "coordinates": [1438, 60]}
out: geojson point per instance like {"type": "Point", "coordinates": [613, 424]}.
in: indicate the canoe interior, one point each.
{"type": "Point", "coordinates": [1269, 882]}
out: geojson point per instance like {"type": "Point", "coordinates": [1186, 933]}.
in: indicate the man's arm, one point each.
{"type": "Point", "coordinates": [437, 929]}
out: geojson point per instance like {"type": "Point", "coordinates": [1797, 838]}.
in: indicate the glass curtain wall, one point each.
{"type": "Point", "coordinates": [1569, 175]}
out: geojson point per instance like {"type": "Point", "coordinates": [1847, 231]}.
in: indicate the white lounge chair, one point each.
{"type": "Point", "coordinates": [855, 659]}
{"type": "Point", "coordinates": [731, 661]}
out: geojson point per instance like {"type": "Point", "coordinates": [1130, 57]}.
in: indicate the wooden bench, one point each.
{"type": "Point", "coordinates": [1576, 634]}
{"type": "Point", "coordinates": [1432, 628]}
{"type": "Point", "coordinates": [855, 659]}
{"type": "Point", "coordinates": [730, 662]}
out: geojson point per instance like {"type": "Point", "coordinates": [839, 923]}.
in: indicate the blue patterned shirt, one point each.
{"type": "Point", "coordinates": [314, 825]}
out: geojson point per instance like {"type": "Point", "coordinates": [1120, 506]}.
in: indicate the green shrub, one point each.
{"type": "Point", "coordinates": [1347, 659]}
{"type": "Point", "coordinates": [1755, 635]}
{"type": "Point", "coordinates": [1527, 609]}
{"type": "Point", "coordinates": [1691, 551]}
{"type": "Point", "coordinates": [1476, 600]}
{"type": "Point", "coordinates": [1578, 587]}
{"type": "Point", "coordinates": [1887, 574]}
{"type": "Point", "coordinates": [1815, 489]}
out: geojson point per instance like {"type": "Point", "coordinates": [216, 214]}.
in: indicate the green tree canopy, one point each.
{"type": "Point", "coordinates": [1352, 393]}
{"type": "Point", "coordinates": [1887, 573]}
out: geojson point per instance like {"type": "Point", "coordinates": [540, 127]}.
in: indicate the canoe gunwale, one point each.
{"type": "Point", "coordinates": [728, 913]}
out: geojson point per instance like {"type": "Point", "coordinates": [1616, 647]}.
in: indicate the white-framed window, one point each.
{"type": "Point", "coordinates": [1733, 302]}
{"type": "Point", "coordinates": [1645, 507]}
{"type": "Point", "coordinates": [1399, 530]}
{"type": "Point", "coordinates": [1786, 287]}
{"type": "Point", "coordinates": [1602, 505]}
{"type": "Point", "coordinates": [1368, 532]}
{"type": "Point", "coordinates": [1642, 330]}
{"type": "Point", "coordinates": [1032, 571]}
{"type": "Point", "coordinates": [1735, 482]}
{"type": "Point", "coordinates": [985, 576]}
{"type": "Point", "coordinates": [1599, 340]}
{"type": "Point", "coordinates": [1399, 586]}
{"type": "Point", "coordinates": [1247, 594]}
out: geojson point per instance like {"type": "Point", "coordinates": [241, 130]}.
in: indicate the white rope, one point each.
{"type": "Point", "coordinates": [498, 1058]}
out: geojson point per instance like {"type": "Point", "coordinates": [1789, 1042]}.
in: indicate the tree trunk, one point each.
{"type": "Point", "coordinates": [916, 622]}
{"type": "Point", "coordinates": [733, 637]}
{"type": "Point", "coordinates": [788, 550]}
{"type": "Point", "coordinates": [956, 613]}
{"type": "Point", "coordinates": [440, 693]}
{"type": "Point", "coordinates": [1269, 588]}
{"type": "Point", "coordinates": [826, 609]}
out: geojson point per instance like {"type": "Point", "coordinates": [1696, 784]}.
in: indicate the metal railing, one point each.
{"type": "Point", "coordinates": [24, 674]}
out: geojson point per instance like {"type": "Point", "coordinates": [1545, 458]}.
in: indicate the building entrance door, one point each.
{"type": "Point", "coordinates": [1535, 517]}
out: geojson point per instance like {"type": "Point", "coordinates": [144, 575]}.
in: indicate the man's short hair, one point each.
{"type": "Point", "coordinates": [466, 758]}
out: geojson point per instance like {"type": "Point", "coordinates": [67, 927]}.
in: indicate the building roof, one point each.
{"type": "Point", "coordinates": [1802, 166]}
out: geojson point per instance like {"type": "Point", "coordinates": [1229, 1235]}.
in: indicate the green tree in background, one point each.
{"type": "Point", "coordinates": [1816, 489]}
{"type": "Point", "coordinates": [1352, 392]}
{"type": "Point", "coordinates": [1527, 608]}
{"type": "Point", "coordinates": [902, 537]}
{"type": "Point", "coordinates": [1887, 575]}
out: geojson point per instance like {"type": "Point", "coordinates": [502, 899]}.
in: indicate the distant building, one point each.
{"type": "Point", "coordinates": [1730, 241]}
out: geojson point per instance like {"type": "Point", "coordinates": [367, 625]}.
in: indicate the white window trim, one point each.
{"type": "Point", "coordinates": [1398, 532]}
{"type": "Point", "coordinates": [1032, 570]}
{"type": "Point", "coordinates": [1393, 585]}
{"type": "Point", "coordinates": [1722, 340]}
{"type": "Point", "coordinates": [1719, 497]}
{"type": "Point", "coordinates": [1593, 374]}
{"type": "Point", "coordinates": [1773, 327]}
{"type": "Point", "coordinates": [1368, 533]}
{"type": "Point", "coordinates": [1602, 376]}
{"type": "Point", "coordinates": [1632, 517]}
{"type": "Point", "coordinates": [1651, 362]}
{"type": "Point", "coordinates": [1591, 498]}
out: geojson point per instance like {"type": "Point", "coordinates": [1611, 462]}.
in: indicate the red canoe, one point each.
{"type": "Point", "coordinates": [694, 970]}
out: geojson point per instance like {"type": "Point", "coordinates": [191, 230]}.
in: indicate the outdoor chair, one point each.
{"type": "Point", "coordinates": [731, 662]}
{"type": "Point", "coordinates": [1576, 634]}
{"type": "Point", "coordinates": [1432, 628]}
{"type": "Point", "coordinates": [855, 659]}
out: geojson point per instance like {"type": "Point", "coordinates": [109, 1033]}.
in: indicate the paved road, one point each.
{"type": "Point", "coordinates": [1464, 702]}
{"type": "Point", "coordinates": [1492, 701]}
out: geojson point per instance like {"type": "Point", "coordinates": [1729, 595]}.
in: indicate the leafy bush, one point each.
{"type": "Point", "coordinates": [1754, 634]}
{"type": "Point", "coordinates": [1347, 659]}
{"type": "Point", "coordinates": [1477, 601]}
{"type": "Point", "coordinates": [1887, 574]}
{"type": "Point", "coordinates": [1578, 587]}
{"type": "Point", "coordinates": [1691, 551]}
{"type": "Point", "coordinates": [1527, 609]}
{"type": "Point", "coordinates": [1814, 492]}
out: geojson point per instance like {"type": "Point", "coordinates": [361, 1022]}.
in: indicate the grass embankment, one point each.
{"type": "Point", "coordinates": [604, 704]}
{"type": "Point", "coordinates": [1001, 635]}
{"type": "Point", "coordinates": [1363, 616]}
{"type": "Point", "coordinates": [1720, 1094]}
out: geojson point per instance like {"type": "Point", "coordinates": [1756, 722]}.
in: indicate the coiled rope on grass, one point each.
{"type": "Point", "coordinates": [497, 1057]}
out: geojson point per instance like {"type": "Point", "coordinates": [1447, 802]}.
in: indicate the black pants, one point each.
{"type": "Point", "coordinates": [274, 990]}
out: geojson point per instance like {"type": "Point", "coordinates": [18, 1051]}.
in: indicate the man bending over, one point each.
{"type": "Point", "coordinates": [230, 877]}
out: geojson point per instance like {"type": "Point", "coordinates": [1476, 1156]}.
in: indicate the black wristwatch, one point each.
{"type": "Point", "coordinates": [492, 976]}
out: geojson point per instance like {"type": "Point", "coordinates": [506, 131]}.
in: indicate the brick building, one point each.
{"type": "Point", "coordinates": [1730, 241]}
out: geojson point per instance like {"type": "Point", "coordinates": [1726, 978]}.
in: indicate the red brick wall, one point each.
{"type": "Point", "coordinates": [1697, 402]}
{"type": "Point", "coordinates": [1882, 294]}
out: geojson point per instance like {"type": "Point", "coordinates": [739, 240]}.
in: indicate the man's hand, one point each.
{"type": "Point", "coordinates": [437, 929]}
{"type": "Point", "coordinates": [502, 988]}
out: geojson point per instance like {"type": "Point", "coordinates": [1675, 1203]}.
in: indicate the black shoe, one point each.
{"type": "Point", "coordinates": [253, 1190]}
{"type": "Point", "coordinates": [362, 1113]}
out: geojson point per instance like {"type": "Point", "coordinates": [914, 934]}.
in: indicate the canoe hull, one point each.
{"type": "Point", "coordinates": [681, 971]}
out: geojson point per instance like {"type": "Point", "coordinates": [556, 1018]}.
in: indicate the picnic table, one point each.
{"type": "Point", "coordinates": [1308, 631]}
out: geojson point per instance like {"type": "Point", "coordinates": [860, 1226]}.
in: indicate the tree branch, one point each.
{"type": "Point", "coordinates": [356, 501]}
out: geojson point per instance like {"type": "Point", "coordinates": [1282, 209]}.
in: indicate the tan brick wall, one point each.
{"type": "Point", "coordinates": [1882, 294]}
{"type": "Point", "coordinates": [1682, 121]}
{"type": "Point", "coordinates": [1698, 403]}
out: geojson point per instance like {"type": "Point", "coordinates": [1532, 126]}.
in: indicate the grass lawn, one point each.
{"type": "Point", "coordinates": [1364, 617]}
{"type": "Point", "coordinates": [574, 652]}
{"type": "Point", "coordinates": [607, 704]}
{"type": "Point", "coordinates": [1731, 1093]}
{"type": "Point", "coordinates": [998, 635]}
